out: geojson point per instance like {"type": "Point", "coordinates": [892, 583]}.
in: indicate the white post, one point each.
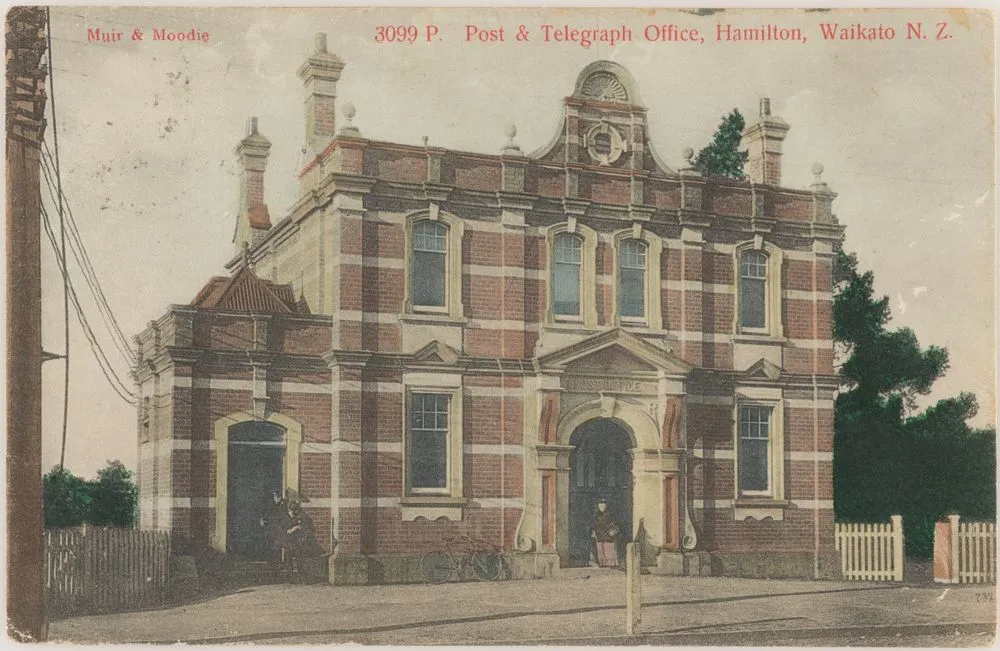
{"type": "Point", "coordinates": [633, 587]}
{"type": "Point", "coordinates": [953, 519]}
{"type": "Point", "coordinates": [898, 558]}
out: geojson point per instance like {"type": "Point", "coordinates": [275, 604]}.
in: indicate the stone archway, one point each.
{"type": "Point", "coordinates": [600, 470]}
{"type": "Point", "coordinates": [223, 426]}
{"type": "Point", "coordinates": [646, 482]}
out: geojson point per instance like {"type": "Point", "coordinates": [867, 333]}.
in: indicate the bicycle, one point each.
{"type": "Point", "coordinates": [481, 557]}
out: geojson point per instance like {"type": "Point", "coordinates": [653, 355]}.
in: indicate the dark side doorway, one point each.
{"type": "Point", "coordinates": [256, 472]}
{"type": "Point", "coordinates": [600, 468]}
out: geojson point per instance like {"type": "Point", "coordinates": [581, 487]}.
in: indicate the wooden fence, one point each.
{"type": "Point", "coordinates": [977, 552]}
{"type": "Point", "coordinates": [871, 551]}
{"type": "Point", "coordinates": [96, 569]}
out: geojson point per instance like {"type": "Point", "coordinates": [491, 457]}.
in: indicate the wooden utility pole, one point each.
{"type": "Point", "coordinates": [633, 589]}
{"type": "Point", "coordinates": [25, 36]}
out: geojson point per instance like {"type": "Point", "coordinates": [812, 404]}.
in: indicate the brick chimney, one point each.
{"type": "Point", "coordinates": [763, 141]}
{"type": "Point", "coordinates": [253, 220]}
{"type": "Point", "coordinates": [320, 74]}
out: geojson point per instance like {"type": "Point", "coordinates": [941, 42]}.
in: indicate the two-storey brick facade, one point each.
{"type": "Point", "coordinates": [435, 342]}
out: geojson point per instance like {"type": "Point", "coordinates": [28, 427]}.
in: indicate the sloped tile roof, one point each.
{"type": "Point", "coordinates": [245, 292]}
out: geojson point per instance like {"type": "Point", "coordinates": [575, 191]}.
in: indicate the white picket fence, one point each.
{"type": "Point", "coordinates": [871, 551]}
{"type": "Point", "coordinates": [977, 552]}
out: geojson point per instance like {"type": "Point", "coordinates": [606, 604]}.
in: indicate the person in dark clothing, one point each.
{"type": "Point", "coordinates": [275, 523]}
{"type": "Point", "coordinates": [301, 536]}
{"type": "Point", "coordinates": [605, 534]}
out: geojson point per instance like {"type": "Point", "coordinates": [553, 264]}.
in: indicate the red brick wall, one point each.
{"type": "Point", "coordinates": [380, 530]}
{"type": "Point", "coordinates": [719, 531]}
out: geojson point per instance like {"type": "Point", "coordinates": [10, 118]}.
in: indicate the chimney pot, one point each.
{"type": "Point", "coordinates": [320, 74]}
{"type": "Point", "coordinates": [253, 219]}
{"type": "Point", "coordinates": [763, 141]}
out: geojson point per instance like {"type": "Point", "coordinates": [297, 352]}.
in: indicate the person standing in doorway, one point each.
{"type": "Point", "coordinates": [275, 524]}
{"type": "Point", "coordinates": [605, 534]}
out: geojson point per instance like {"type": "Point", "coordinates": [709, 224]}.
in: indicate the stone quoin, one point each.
{"type": "Point", "coordinates": [434, 342]}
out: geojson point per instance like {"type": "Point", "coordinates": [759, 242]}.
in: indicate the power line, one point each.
{"type": "Point", "coordinates": [99, 354]}
{"type": "Point", "coordinates": [62, 237]}
{"type": "Point", "coordinates": [74, 247]}
{"type": "Point", "coordinates": [102, 359]}
{"type": "Point", "coordinates": [106, 368]}
{"type": "Point", "coordinates": [83, 259]}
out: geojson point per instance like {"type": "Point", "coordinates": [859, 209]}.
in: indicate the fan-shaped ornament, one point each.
{"type": "Point", "coordinates": [604, 86]}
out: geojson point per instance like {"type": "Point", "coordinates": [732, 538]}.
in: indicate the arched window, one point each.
{"type": "Point", "coordinates": [632, 279]}
{"type": "Point", "coordinates": [753, 291]}
{"type": "Point", "coordinates": [567, 262]}
{"type": "Point", "coordinates": [429, 264]}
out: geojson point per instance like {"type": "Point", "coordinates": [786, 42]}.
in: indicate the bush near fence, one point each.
{"type": "Point", "coordinates": [96, 569]}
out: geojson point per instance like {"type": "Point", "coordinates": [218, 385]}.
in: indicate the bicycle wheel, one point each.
{"type": "Point", "coordinates": [436, 567]}
{"type": "Point", "coordinates": [486, 565]}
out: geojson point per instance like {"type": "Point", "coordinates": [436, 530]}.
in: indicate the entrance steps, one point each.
{"type": "Point", "coordinates": [230, 571]}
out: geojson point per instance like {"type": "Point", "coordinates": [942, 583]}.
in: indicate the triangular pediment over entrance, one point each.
{"type": "Point", "coordinates": [616, 351]}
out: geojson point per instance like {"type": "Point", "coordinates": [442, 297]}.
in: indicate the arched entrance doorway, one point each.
{"type": "Point", "coordinates": [600, 468]}
{"type": "Point", "coordinates": [256, 451]}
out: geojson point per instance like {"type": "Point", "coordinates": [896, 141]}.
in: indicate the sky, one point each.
{"type": "Point", "coordinates": [147, 129]}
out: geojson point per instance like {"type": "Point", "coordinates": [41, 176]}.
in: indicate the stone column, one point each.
{"type": "Point", "coordinates": [553, 466]}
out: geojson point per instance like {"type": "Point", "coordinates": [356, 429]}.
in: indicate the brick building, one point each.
{"type": "Point", "coordinates": [434, 342]}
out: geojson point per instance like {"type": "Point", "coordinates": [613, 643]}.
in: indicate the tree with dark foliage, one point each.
{"type": "Point", "coordinates": [116, 497]}
{"type": "Point", "coordinates": [66, 499]}
{"type": "Point", "coordinates": [110, 501]}
{"type": "Point", "coordinates": [888, 456]}
{"type": "Point", "coordinates": [722, 157]}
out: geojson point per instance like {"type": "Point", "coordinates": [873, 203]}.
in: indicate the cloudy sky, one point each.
{"type": "Point", "coordinates": [147, 129]}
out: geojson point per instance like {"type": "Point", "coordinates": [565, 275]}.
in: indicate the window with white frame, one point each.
{"type": "Point", "coordinates": [567, 264]}
{"type": "Point", "coordinates": [754, 464]}
{"type": "Point", "coordinates": [757, 264]}
{"type": "Point", "coordinates": [632, 279]}
{"type": "Point", "coordinates": [753, 291]}
{"type": "Point", "coordinates": [429, 265]}
{"type": "Point", "coordinates": [427, 449]}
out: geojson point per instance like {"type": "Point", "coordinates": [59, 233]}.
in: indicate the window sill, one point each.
{"type": "Point", "coordinates": [760, 508]}
{"type": "Point", "coordinates": [432, 317]}
{"type": "Point", "coordinates": [568, 326]}
{"type": "Point", "coordinates": [757, 338]}
{"type": "Point", "coordinates": [432, 507]}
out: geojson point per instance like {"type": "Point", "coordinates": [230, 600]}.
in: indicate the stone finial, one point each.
{"type": "Point", "coordinates": [511, 147]}
{"type": "Point", "coordinates": [349, 129]}
{"type": "Point", "coordinates": [818, 184]}
{"type": "Point", "coordinates": [689, 168]}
